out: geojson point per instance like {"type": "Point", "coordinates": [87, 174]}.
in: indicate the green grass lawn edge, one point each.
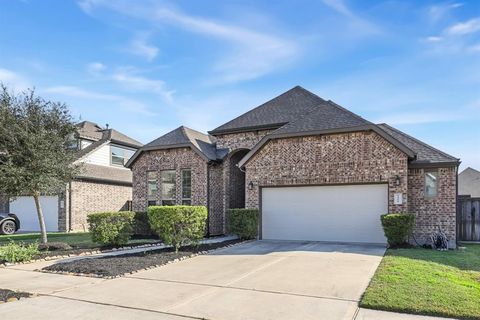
{"type": "Point", "coordinates": [427, 282]}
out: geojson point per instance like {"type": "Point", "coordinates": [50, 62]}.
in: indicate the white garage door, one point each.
{"type": "Point", "coordinates": [24, 208]}
{"type": "Point", "coordinates": [347, 213]}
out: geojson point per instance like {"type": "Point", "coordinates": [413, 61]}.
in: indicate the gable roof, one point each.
{"type": "Point", "coordinates": [326, 118]}
{"type": "Point", "coordinates": [273, 114]}
{"type": "Point", "coordinates": [469, 182]}
{"type": "Point", "coordinates": [425, 154]}
{"type": "Point", "coordinates": [182, 136]}
{"type": "Point", "coordinates": [92, 131]}
{"type": "Point", "coordinates": [89, 130]}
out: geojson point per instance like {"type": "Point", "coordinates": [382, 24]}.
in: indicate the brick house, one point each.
{"type": "Point", "coordinates": [315, 170]}
{"type": "Point", "coordinates": [104, 184]}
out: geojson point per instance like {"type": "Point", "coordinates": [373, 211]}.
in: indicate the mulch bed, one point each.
{"type": "Point", "coordinates": [130, 263]}
{"type": "Point", "coordinates": [9, 295]}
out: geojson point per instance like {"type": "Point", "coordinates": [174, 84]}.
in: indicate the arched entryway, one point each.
{"type": "Point", "coordinates": [236, 188]}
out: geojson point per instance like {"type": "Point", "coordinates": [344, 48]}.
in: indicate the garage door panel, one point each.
{"type": "Point", "coordinates": [24, 208]}
{"type": "Point", "coordinates": [347, 213]}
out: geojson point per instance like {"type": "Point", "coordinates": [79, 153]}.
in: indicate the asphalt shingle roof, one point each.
{"type": "Point", "coordinates": [104, 173]}
{"type": "Point", "coordinates": [285, 108]}
{"type": "Point", "coordinates": [325, 116]}
{"type": "Point", "coordinates": [424, 152]}
{"type": "Point", "coordinates": [184, 137]}
{"type": "Point", "coordinates": [92, 131]}
{"type": "Point", "coordinates": [89, 130]}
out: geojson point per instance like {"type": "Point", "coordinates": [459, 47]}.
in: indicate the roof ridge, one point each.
{"type": "Point", "coordinates": [417, 140]}
{"type": "Point", "coordinates": [297, 87]}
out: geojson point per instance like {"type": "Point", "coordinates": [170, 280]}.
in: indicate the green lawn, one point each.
{"type": "Point", "coordinates": [76, 240]}
{"type": "Point", "coordinates": [427, 282]}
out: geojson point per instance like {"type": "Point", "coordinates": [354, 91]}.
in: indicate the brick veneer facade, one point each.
{"type": "Point", "coordinates": [347, 158]}
{"type": "Point", "coordinates": [85, 197]}
{"type": "Point", "coordinates": [330, 159]}
{"type": "Point", "coordinates": [439, 211]}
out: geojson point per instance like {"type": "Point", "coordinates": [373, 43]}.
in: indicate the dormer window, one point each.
{"type": "Point", "coordinates": [119, 155]}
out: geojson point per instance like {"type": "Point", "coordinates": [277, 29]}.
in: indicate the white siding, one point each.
{"type": "Point", "coordinates": [100, 156]}
{"type": "Point", "coordinates": [84, 143]}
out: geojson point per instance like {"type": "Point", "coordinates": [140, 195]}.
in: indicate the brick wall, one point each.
{"type": "Point", "coordinates": [361, 157]}
{"type": "Point", "coordinates": [431, 213]}
{"type": "Point", "coordinates": [234, 142]}
{"type": "Point", "coordinates": [170, 159]}
{"type": "Point", "coordinates": [91, 197]}
{"type": "Point", "coordinates": [216, 208]}
{"type": "Point", "coordinates": [242, 140]}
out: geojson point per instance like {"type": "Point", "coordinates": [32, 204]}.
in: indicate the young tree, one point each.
{"type": "Point", "coordinates": [34, 154]}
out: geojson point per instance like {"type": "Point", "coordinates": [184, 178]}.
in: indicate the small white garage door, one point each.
{"type": "Point", "coordinates": [24, 208]}
{"type": "Point", "coordinates": [346, 213]}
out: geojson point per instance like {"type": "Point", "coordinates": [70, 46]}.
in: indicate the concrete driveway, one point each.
{"type": "Point", "coordinates": [256, 280]}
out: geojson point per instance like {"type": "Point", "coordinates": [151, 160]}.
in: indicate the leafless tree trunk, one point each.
{"type": "Point", "coordinates": [41, 219]}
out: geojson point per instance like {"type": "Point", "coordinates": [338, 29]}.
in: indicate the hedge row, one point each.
{"type": "Point", "coordinates": [175, 225]}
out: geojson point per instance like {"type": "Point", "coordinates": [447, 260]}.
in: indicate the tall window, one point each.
{"type": "Point", "coordinates": [187, 187]}
{"type": "Point", "coordinates": [120, 156]}
{"type": "Point", "coordinates": [151, 188]}
{"type": "Point", "coordinates": [168, 187]}
{"type": "Point", "coordinates": [431, 184]}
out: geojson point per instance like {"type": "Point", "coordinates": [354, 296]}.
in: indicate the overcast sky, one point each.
{"type": "Point", "coordinates": [146, 67]}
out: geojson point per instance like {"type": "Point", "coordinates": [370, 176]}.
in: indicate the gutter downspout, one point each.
{"type": "Point", "coordinates": [70, 206]}
{"type": "Point", "coordinates": [208, 199]}
{"type": "Point", "coordinates": [457, 240]}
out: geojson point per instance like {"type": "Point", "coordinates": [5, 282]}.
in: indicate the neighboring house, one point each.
{"type": "Point", "coordinates": [469, 183]}
{"type": "Point", "coordinates": [315, 170]}
{"type": "Point", "coordinates": [104, 183]}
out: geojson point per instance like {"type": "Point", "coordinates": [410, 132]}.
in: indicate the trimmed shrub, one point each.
{"type": "Point", "coordinates": [14, 252]}
{"type": "Point", "coordinates": [397, 227]}
{"type": "Point", "coordinates": [243, 222]}
{"type": "Point", "coordinates": [141, 226]}
{"type": "Point", "coordinates": [178, 225]}
{"type": "Point", "coordinates": [111, 228]}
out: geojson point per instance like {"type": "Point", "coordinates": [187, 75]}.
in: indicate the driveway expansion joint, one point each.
{"type": "Point", "coordinates": [218, 286]}
{"type": "Point", "coordinates": [124, 307]}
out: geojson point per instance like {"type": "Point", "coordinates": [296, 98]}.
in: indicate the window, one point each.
{"type": "Point", "coordinates": [431, 183]}
{"type": "Point", "coordinates": [151, 188]}
{"type": "Point", "coordinates": [120, 156]}
{"type": "Point", "coordinates": [187, 187]}
{"type": "Point", "coordinates": [168, 187]}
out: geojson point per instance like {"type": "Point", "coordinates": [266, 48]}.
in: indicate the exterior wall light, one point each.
{"type": "Point", "coordinates": [250, 185]}
{"type": "Point", "coordinates": [397, 180]}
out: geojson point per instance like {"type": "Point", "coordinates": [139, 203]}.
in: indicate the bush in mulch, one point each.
{"type": "Point", "coordinates": [111, 228]}
{"type": "Point", "coordinates": [178, 225]}
{"type": "Point", "coordinates": [9, 295]}
{"type": "Point", "coordinates": [120, 265]}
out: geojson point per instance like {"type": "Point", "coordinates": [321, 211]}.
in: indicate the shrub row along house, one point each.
{"type": "Point", "coordinates": [104, 183]}
{"type": "Point", "coordinates": [315, 170]}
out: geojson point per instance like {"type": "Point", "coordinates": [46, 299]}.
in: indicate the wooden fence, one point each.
{"type": "Point", "coordinates": [468, 221]}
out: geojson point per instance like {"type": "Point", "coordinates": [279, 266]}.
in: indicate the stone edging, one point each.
{"type": "Point", "coordinates": [143, 269]}
{"type": "Point", "coordinates": [86, 253]}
